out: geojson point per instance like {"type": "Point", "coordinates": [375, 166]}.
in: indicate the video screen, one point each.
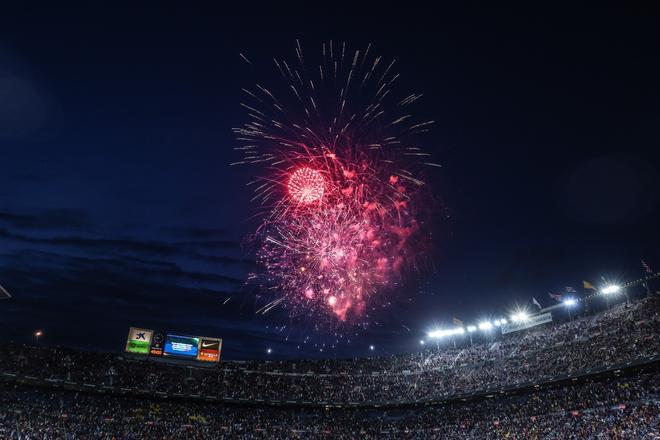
{"type": "Point", "coordinates": [182, 346]}
{"type": "Point", "coordinates": [139, 340]}
{"type": "Point", "coordinates": [209, 350]}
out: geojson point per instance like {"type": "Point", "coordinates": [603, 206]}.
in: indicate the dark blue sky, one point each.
{"type": "Point", "coordinates": [118, 206]}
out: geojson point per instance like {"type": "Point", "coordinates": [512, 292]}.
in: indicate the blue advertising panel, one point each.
{"type": "Point", "coordinates": [183, 346]}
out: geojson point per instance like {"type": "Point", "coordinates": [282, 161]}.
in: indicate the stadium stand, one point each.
{"type": "Point", "coordinates": [595, 377]}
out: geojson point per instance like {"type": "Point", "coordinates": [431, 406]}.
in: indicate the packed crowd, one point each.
{"type": "Point", "coordinates": [626, 333]}
{"type": "Point", "coordinates": [613, 407]}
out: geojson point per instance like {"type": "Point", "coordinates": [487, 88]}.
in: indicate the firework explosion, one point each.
{"type": "Point", "coordinates": [340, 194]}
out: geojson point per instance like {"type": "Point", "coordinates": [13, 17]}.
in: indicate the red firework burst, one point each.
{"type": "Point", "coordinates": [306, 185]}
{"type": "Point", "coordinates": [352, 163]}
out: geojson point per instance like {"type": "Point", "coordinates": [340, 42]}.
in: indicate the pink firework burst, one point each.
{"type": "Point", "coordinates": [340, 192]}
{"type": "Point", "coordinates": [306, 185]}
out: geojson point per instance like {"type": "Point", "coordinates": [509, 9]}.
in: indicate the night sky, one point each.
{"type": "Point", "coordinates": [118, 206]}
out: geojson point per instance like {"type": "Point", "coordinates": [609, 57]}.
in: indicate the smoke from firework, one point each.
{"type": "Point", "coordinates": [339, 187]}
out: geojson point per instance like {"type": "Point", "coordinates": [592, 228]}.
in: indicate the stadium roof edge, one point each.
{"type": "Point", "coordinates": [3, 293]}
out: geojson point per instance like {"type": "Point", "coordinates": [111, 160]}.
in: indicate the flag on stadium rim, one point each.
{"type": "Point", "coordinates": [588, 285]}
{"type": "Point", "coordinates": [646, 267]}
{"type": "Point", "coordinates": [536, 303]}
{"type": "Point", "coordinates": [557, 297]}
{"type": "Point", "coordinates": [457, 322]}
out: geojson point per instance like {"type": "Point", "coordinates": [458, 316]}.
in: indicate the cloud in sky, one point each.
{"type": "Point", "coordinates": [68, 278]}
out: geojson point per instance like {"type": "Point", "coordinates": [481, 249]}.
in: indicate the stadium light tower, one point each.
{"type": "Point", "coordinates": [446, 332]}
{"type": "Point", "coordinates": [610, 289]}
{"type": "Point", "coordinates": [569, 303]}
{"type": "Point", "coordinates": [471, 329]}
{"type": "Point", "coordinates": [520, 316]}
{"type": "Point", "coordinates": [485, 325]}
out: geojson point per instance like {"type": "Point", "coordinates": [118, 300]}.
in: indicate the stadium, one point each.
{"type": "Point", "coordinates": [590, 377]}
{"type": "Point", "coordinates": [329, 223]}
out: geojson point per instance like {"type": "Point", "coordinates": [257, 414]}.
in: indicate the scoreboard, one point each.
{"type": "Point", "coordinates": [155, 343]}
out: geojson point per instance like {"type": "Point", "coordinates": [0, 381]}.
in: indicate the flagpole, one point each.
{"type": "Point", "coordinates": [586, 299]}
{"type": "Point", "coordinates": [647, 272]}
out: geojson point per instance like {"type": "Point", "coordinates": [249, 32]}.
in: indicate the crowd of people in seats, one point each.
{"type": "Point", "coordinates": [626, 333]}
{"type": "Point", "coordinates": [625, 407]}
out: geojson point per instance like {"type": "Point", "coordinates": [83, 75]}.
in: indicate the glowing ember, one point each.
{"type": "Point", "coordinates": [306, 185]}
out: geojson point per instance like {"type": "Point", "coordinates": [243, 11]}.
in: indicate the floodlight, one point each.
{"type": "Point", "coordinates": [612, 288]}
{"type": "Point", "coordinates": [441, 333]}
{"type": "Point", "coordinates": [520, 317]}
{"type": "Point", "coordinates": [486, 325]}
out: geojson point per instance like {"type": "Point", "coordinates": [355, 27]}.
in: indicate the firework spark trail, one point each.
{"type": "Point", "coordinates": [340, 191]}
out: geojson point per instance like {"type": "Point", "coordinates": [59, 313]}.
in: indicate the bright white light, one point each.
{"type": "Point", "coordinates": [486, 325]}
{"type": "Point", "coordinates": [519, 317]}
{"type": "Point", "coordinates": [269, 351]}
{"type": "Point", "coordinates": [569, 302]}
{"type": "Point", "coordinates": [446, 332]}
{"type": "Point", "coordinates": [371, 347]}
{"type": "Point", "coordinates": [503, 321]}
{"type": "Point", "coordinates": [612, 288]}
{"type": "Point", "coordinates": [421, 342]}
{"type": "Point", "coordinates": [471, 328]}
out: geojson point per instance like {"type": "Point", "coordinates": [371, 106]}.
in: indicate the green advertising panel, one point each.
{"type": "Point", "coordinates": [139, 340]}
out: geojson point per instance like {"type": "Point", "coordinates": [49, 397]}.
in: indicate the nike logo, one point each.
{"type": "Point", "coordinates": [208, 344]}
